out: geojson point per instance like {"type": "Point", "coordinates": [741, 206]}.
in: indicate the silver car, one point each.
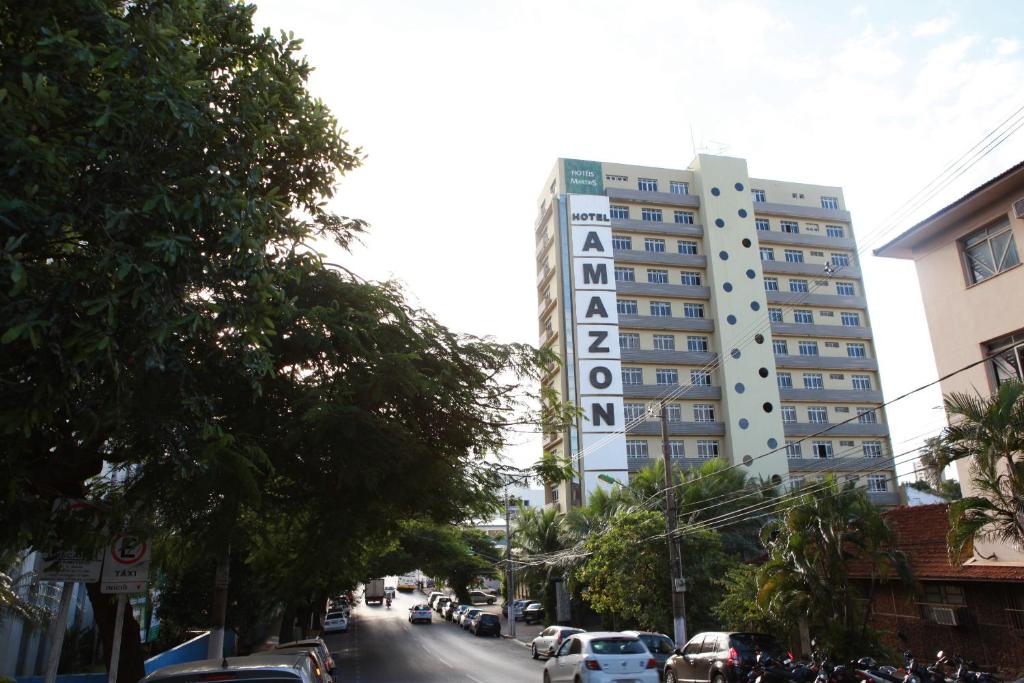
{"type": "Point", "coordinates": [549, 640]}
{"type": "Point", "coordinates": [659, 645]}
{"type": "Point", "coordinates": [294, 668]}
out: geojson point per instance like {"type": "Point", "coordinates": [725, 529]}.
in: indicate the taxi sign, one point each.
{"type": "Point", "coordinates": [126, 565]}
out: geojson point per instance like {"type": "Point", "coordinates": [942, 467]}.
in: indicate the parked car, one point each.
{"type": "Point", "coordinates": [297, 668]}
{"type": "Point", "coordinates": [320, 668]}
{"type": "Point", "coordinates": [659, 645]}
{"type": "Point", "coordinates": [719, 657]}
{"type": "Point", "coordinates": [458, 612]}
{"type": "Point", "coordinates": [601, 657]}
{"type": "Point", "coordinates": [517, 607]}
{"type": "Point", "coordinates": [549, 640]}
{"type": "Point", "coordinates": [468, 615]}
{"type": "Point", "coordinates": [533, 613]}
{"type": "Point", "coordinates": [480, 597]}
{"type": "Point", "coordinates": [434, 595]}
{"type": "Point", "coordinates": [420, 613]}
{"type": "Point", "coordinates": [318, 643]}
{"type": "Point", "coordinates": [451, 609]}
{"type": "Point", "coordinates": [335, 621]}
{"type": "Point", "coordinates": [440, 602]}
{"type": "Point", "coordinates": [486, 624]}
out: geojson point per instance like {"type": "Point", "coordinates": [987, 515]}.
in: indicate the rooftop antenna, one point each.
{"type": "Point", "coordinates": [693, 145]}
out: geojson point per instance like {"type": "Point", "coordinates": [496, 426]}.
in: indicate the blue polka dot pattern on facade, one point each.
{"type": "Point", "coordinates": [719, 222]}
{"type": "Point", "coordinates": [724, 255]}
{"type": "Point", "coordinates": [744, 423]}
{"type": "Point", "coordinates": [751, 274]}
{"type": "Point", "coordinates": [754, 306]}
{"type": "Point", "coordinates": [743, 213]}
{"type": "Point", "coordinates": [740, 387]}
{"type": "Point", "coordinates": [731, 319]}
{"type": "Point", "coordinates": [739, 187]}
{"type": "Point", "coordinates": [727, 286]}
{"type": "Point", "coordinates": [715, 191]}
{"type": "Point", "coordinates": [735, 353]}
{"type": "Point", "coordinates": [772, 443]}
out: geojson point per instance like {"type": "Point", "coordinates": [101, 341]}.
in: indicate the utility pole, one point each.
{"type": "Point", "coordinates": [675, 554]}
{"type": "Point", "coordinates": [511, 574]}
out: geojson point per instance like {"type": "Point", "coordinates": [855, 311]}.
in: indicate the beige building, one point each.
{"type": "Point", "coordinates": [967, 257]}
{"type": "Point", "coordinates": [736, 301]}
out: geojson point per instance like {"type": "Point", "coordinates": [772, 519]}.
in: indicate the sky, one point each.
{"type": "Point", "coordinates": [462, 108]}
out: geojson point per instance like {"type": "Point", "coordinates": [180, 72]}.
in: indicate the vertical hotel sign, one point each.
{"type": "Point", "coordinates": [599, 364]}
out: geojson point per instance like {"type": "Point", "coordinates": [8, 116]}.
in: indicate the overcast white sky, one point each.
{"type": "Point", "coordinates": [463, 107]}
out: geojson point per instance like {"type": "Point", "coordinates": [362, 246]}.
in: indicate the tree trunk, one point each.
{"type": "Point", "coordinates": [131, 668]}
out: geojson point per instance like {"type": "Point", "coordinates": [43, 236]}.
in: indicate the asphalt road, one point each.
{"type": "Point", "coordinates": [382, 646]}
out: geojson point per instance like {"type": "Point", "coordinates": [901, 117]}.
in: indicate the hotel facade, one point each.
{"type": "Point", "coordinates": [736, 303]}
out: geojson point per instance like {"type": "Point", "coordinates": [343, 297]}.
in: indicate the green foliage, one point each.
{"type": "Point", "coordinates": [538, 536]}
{"type": "Point", "coordinates": [739, 608]}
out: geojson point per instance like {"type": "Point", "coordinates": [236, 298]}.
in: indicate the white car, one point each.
{"type": "Point", "coordinates": [601, 657]}
{"type": "Point", "coordinates": [335, 621]}
{"type": "Point", "coordinates": [550, 639]}
{"type": "Point", "coordinates": [421, 613]}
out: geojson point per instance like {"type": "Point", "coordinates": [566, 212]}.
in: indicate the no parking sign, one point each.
{"type": "Point", "coordinates": [126, 565]}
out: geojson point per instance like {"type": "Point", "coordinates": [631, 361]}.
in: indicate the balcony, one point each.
{"type": "Point", "coordinates": [835, 430]}
{"type": "Point", "coordinates": [826, 362]}
{"type": "Point", "coordinates": [840, 464]}
{"type": "Point", "coordinates": [543, 214]}
{"type": "Point", "coordinates": [807, 299]}
{"type": "Point", "coordinates": [688, 391]}
{"type": "Point", "coordinates": [831, 395]}
{"type": "Point", "coordinates": [688, 200]}
{"type": "Point", "coordinates": [544, 274]}
{"type": "Point", "coordinates": [655, 289]}
{"type": "Point", "coordinates": [635, 463]}
{"type": "Point", "coordinates": [546, 304]}
{"type": "Point", "coordinates": [675, 229]}
{"type": "Point", "coordinates": [794, 211]}
{"type": "Point", "coordinates": [542, 250]}
{"type": "Point", "coordinates": [547, 336]}
{"type": "Point", "coordinates": [884, 498]}
{"type": "Point", "coordinates": [657, 322]}
{"type": "Point", "coordinates": [816, 270]}
{"type": "Point", "coordinates": [653, 428]}
{"type": "Point", "coordinates": [835, 331]}
{"type": "Point", "coordinates": [698, 358]}
{"type": "Point", "coordinates": [666, 258]}
{"type": "Point", "coordinates": [805, 239]}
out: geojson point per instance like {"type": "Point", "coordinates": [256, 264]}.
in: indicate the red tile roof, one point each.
{"type": "Point", "coordinates": [920, 532]}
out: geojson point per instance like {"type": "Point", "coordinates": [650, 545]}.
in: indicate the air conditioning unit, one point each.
{"type": "Point", "coordinates": [944, 616]}
{"type": "Point", "coordinates": [1018, 208]}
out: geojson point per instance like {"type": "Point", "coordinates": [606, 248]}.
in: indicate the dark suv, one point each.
{"type": "Point", "coordinates": [719, 657]}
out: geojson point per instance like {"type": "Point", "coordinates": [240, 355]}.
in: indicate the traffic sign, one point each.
{"type": "Point", "coordinates": [126, 565]}
{"type": "Point", "coordinates": [70, 566]}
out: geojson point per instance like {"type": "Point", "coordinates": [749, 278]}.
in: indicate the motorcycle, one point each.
{"type": "Point", "coordinates": [387, 601]}
{"type": "Point", "coordinates": [872, 673]}
{"type": "Point", "coordinates": [963, 675]}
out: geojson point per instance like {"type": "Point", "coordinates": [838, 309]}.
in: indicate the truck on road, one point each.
{"type": "Point", "coordinates": [374, 592]}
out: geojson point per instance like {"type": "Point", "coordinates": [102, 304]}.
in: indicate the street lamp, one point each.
{"type": "Point", "coordinates": [609, 479]}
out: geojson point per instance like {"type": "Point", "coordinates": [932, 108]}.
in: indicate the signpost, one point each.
{"type": "Point", "coordinates": [125, 570]}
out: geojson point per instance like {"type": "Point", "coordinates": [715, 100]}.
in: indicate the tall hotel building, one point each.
{"type": "Point", "coordinates": [737, 301]}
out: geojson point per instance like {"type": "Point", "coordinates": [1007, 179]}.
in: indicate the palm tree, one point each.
{"type": "Point", "coordinates": [991, 431]}
{"type": "Point", "coordinates": [539, 536]}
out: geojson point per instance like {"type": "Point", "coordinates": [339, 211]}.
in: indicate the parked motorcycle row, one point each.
{"type": "Point", "coordinates": [946, 669]}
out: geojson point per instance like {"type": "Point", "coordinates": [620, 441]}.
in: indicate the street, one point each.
{"type": "Point", "coordinates": [382, 645]}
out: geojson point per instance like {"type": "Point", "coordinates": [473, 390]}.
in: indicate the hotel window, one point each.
{"type": "Point", "coordinates": [619, 211]}
{"type": "Point", "coordinates": [627, 307]}
{"type": "Point", "coordinates": [650, 215]}
{"type": "Point", "coordinates": [835, 231]}
{"type": "Point", "coordinates": [804, 317]}
{"type": "Point", "coordinates": [780, 347]}
{"type": "Point", "coordinates": [867, 416]}
{"type": "Point", "coordinates": [666, 376]}
{"type": "Point", "coordinates": [808, 348]}
{"type": "Point", "coordinates": [771, 284]}
{"type": "Point", "coordinates": [632, 376]}
{"type": "Point", "coordinates": [872, 449]}
{"type": "Point", "coordinates": [647, 184]}
{"type": "Point", "coordinates": [684, 217]}
{"type": "Point", "coordinates": [665, 342]}
{"type": "Point", "coordinates": [793, 449]}
{"type": "Point", "coordinates": [624, 274]}
{"type": "Point", "coordinates": [811, 227]}
{"type": "Point", "coordinates": [799, 286]}
{"type": "Point", "coordinates": [688, 277]}
{"type": "Point", "coordinates": [636, 448]}
{"type": "Point", "coordinates": [785, 380]}
{"type": "Point", "coordinates": [813, 380]}
{"type": "Point", "coordinates": [629, 341]}
{"type": "Point", "coordinates": [616, 178]}
{"type": "Point", "coordinates": [622, 242]}
{"type": "Point", "coordinates": [676, 449]}
{"type": "Point", "coordinates": [792, 227]}
{"type": "Point", "coordinates": [762, 224]}
{"type": "Point", "coordinates": [1007, 358]}
{"type": "Point", "coordinates": [700, 378]}
{"type": "Point", "coordinates": [661, 309]}
{"type": "Point", "coordinates": [674, 412]}
{"type": "Point", "coordinates": [844, 289]}
{"type": "Point", "coordinates": [821, 449]}
{"type": "Point", "coordinates": [794, 256]}
{"type": "Point", "coordinates": [767, 254]}
{"type": "Point", "coordinates": [990, 251]}
{"type": "Point", "coordinates": [758, 195]}
{"type": "Point", "coordinates": [840, 260]}
{"type": "Point", "coordinates": [856, 350]}
{"type": "Point", "coordinates": [657, 276]}
{"type": "Point", "coordinates": [830, 202]}
{"type": "Point", "coordinates": [677, 187]}
{"type": "Point", "coordinates": [686, 247]}
{"type": "Point", "coordinates": [850, 319]}
{"type": "Point", "coordinates": [817, 415]}
{"type": "Point", "coordinates": [696, 344]}
{"type": "Point", "coordinates": [878, 483]}
{"type": "Point", "coordinates": [707, 449]}
{"type": "Point", "coordinates": [861, 382]}
{"type": "Point", "coordinates": [775, 315]}
{"type": "Point", "coordinates": [654, 244]}
{"type": "Point", "coordinates": [788, 414]}
{"type": "Point", "coordinates": [693, 310]}
{"type": "Point", "coordinates": [633, 411]}
{"type": "Point", "coordinates": [703, 412]}
{"type": "Point", "coordinates": [944, 593]}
